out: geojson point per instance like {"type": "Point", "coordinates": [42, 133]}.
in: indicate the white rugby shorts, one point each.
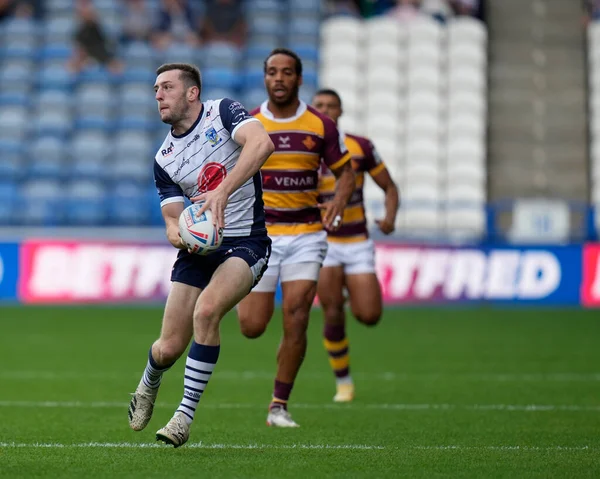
{"type": "Point", "coordinates": [356, 258]}
{"type": "Point", "coordinates": [294, 257]}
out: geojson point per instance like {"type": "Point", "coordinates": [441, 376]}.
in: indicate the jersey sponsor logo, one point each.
{"type": "Point", "coordinates": [284, 142]}
{"type": "Point", "coordinates": [235, 106]}
{"type": "Point", "coordinates": [193, 140]}
{"type": "Point", "coordinates": [211, 175]}
{"type": "Point", "coordinates": [287, 181]}
{"type": "Point", "coordinates": [185, 161]}
{"type": "Point", "coordinates": [309, 143]}
{"type": "Point", "coordinates": [167, 151]}
{"type": "Point", "coordinates": [212, 137]}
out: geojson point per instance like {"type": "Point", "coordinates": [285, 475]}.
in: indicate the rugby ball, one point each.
{"type": "Point", "coordinates": [198, 233]}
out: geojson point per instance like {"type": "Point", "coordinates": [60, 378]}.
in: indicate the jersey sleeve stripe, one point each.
{"type": "Point", "coordinates": [378, 169]}
{"type": "Point", "coordinates": [172, 199]}
{"type": "Point", "coordinates": [237, 127]}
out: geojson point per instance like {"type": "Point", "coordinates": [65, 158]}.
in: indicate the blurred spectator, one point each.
{"type": "Point", "coordinates": [138, 21]}
{"type": "Point", "coordinates": [438, 9]}
{"type": "Point", "coordinates": [465, 7]}
{"type": "Point", "coordinates": [592, 10]}
{"type": "Point", "coordinates": [405, 10]}
{"type": "Point", "coordinates": [91, 43]}
{"type": "Point", "coordinates": [176, 24]}
{"type": "Point", "coordinates": [7, 8]}
{"type": "Point", "coordinates": [350, 8]}
{"type": "Point", "coordinates": [224, 22]}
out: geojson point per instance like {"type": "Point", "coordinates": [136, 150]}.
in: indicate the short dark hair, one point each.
{"type": "Point", "coordinates": [289, 53]}
{"type": "Point", "coordinates": [189, 74]}
{"type": "Point", "coordinates": [329, 91]}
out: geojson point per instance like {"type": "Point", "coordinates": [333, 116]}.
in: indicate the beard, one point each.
{"type": "Point", "coordinates": [287, 100]}
{"type": "Point", "coordinates": [176, 113]}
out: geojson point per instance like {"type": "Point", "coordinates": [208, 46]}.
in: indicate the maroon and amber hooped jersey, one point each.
{"type": "Point", "coordinates": [291, 174]}
{"type": "Point", "coordinates": [364, 158]}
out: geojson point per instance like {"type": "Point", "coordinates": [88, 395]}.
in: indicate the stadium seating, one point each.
{"type": "Point", "coordinates": [418, 90]}
{"type": "Point", "coordinates": [93, 135]}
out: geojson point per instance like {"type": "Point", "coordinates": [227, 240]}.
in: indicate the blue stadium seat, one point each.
{"type": "Point", "coordinates": [55, 6]}
{"type": "Point", "coordinates": [139, 74]}
{"type": "Point", "coordinates": [20, 28]}
{"type": "Point", "coordinates": [307, 27]}
{"type": "Point", "coordinates": [56, 122]}
{"type": "Point", "coordinates": [48, 158]}
{"type": "Point", "coordinates": [55, 77]}
{"type": "Point", "coordinates": [13, 159]}
{"type": "Point", "coordinates": [264, 6]}
{"type": "Point", "coordinates": [260, 49]}
{"type": "Point", "coordinates": [17, 77]}
{"type": "Point", "coordinates": [97, 74]}
{"type": "Point", "coordinates": [55, 51]}
{"type": "Point", "coordinates": [220, 77]}
{"type": "Point", "coordinates": [254, 79]}
{"type": "Point", "coordinates": [221, 55]}
{"type": "Point", "coordinates": [254, 98]}
{"type": "Point", "coordinates": [128, 205]}
{"type": "Point", "coordinates": [136, 54]}
{"type": "Point", "coordinates": [53, 99]}
{"type": "Point", "coordinates": [137, 99]}
{"type": "Point", "coordinates": [85, 203]}
{"type": "Point", "coordinates": [216, 93]}
{"type": "Point", "coordinates": [308, 53]}
{"type": "Point", "coordinates": [59, 29]}
{"type": "Point", "coordinates": [89, 150]}
{"type": "Point", "coordinates": [9, 201]}
{"type": "Point", "coordinates": [42, 203]}
{"type": "Point", "coordinates": [14, 121]}
{"type": "Point", "coordinates": [21, 48]}
{"type": "Point", "coordinates": [14, 98]}
{"type": "Point", "coordinates": [305, 6]}
{"type": "Point", "coordinates": [272, 26]}
{"type": "Point", "coordinates": [306, 93]}
{"type": "Point", "coordinates": [133, 169]}
{"type": "Point", "coordinates": [178, 53]}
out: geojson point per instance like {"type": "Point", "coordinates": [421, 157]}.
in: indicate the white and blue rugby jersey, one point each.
{"type": "Point", "coordinates": [199, 160]}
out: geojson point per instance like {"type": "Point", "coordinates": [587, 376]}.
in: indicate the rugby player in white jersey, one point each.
{"type": "Point", "coordinates": [213, 155]}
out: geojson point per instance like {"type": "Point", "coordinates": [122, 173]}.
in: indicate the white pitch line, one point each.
{"type": "Point", "coordinates": [268, 375]}
{"type": "Point", "coordinates": [337, 407]}
{"type": "Point", "coordinates": [198, 445]}
{"type": "Point", "coordinates": [363, 447]}
{"type": "Point", "coordinates": [505, 448]}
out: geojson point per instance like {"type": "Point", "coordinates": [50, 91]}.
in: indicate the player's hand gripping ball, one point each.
{"type": "Point", "coordinates": [199, 234]}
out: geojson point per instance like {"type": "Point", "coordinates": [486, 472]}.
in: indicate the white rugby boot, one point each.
{"type": "Point", "coordinates": [344, 392]}
{"type": "Point", "coordinates": [141, 407]}
{"type": "Point", "coordinates": [280, 417]}
{"type": "Point", "coordinates": [176, 433]}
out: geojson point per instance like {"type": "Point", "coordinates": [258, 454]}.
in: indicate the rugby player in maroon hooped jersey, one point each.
{"type": "Point", "coordinates": [350, 260]}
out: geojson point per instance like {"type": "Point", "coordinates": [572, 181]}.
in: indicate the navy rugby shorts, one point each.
{"type": "Point", "coordinates": [196, 270]}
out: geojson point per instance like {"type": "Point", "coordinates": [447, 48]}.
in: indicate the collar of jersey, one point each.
{"type": "Point", "coordinates": [267, 114]}
{"type": "Point", "coordinates": [198, 120]}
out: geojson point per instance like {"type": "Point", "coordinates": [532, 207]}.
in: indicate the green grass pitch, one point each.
{"type": "Point", "coordinates": [440, 393]}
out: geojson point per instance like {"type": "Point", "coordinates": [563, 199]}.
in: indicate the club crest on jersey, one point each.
{"type": "Point", "coordinates": [167, 151]}
{"type": "Point", "coordinates": [213, 138]}
{"type": "Point", "coordinates": [309, 143]}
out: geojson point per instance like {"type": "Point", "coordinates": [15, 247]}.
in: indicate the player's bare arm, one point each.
{"type": "Point", "coordinates": [256, 148]}
{"type": "Point", "coordinates": [383, 179]}
{"type": "Point", "coordinates": [345, 185]}
{"type": "Point", "coordinates": [171, 213]}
